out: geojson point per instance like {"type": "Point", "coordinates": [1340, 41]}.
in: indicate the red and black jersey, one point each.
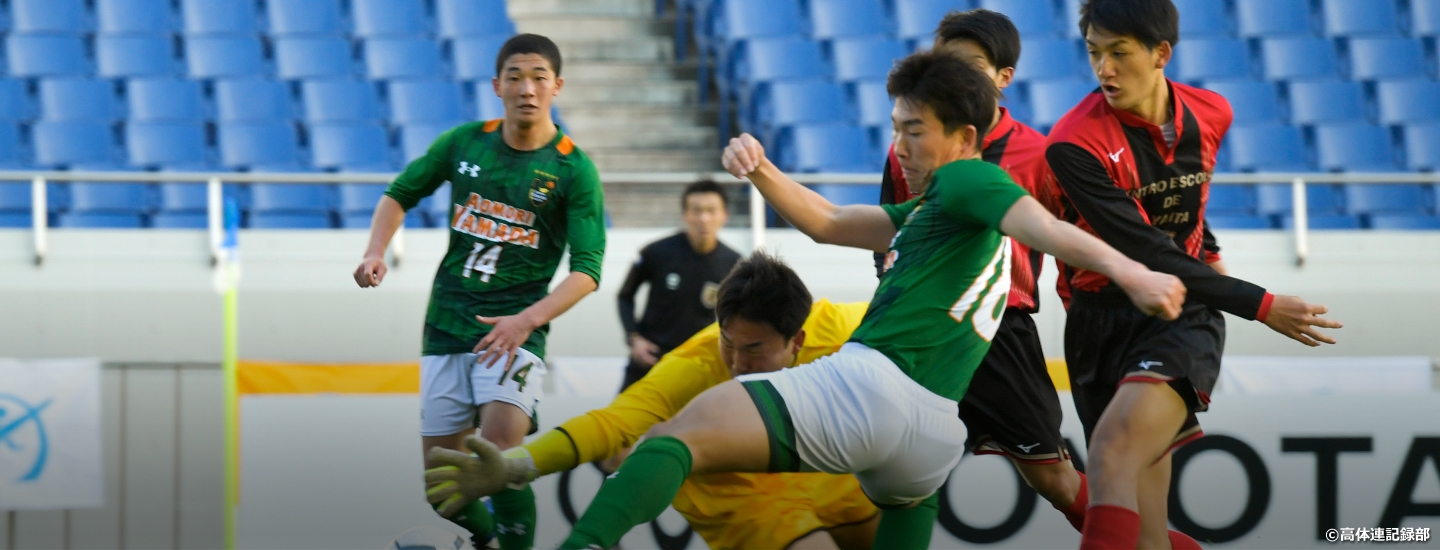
{"type": "Point", "coordinates": [1020, 150]}
{"type": "Point", "coordinates": [1122, 182]}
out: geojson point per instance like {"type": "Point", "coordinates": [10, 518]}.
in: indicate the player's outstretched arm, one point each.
{"type": "Point", "coordinates": [1293, 317]}
{"type": "Point", "coordinates": [387, 219]}
{"type": "Point", "coordinates": [463, 478]}
{"type": "Point", "coordinates": [1154, 293]}
{"type": "Point", "coordinates": [858, 226]}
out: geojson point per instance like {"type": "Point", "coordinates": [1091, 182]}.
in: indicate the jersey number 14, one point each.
{"type": "Point", "coordinates": [482, 260]}
{"type": "Point", "coordinates": [988, 309]}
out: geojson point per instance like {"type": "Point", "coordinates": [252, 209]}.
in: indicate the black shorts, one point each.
{"type": "Point", "coordinates": [633, 374]}
{"type": "Point", "coordinates": [1108, 343]}
{"type": "Point", "coordinates": [1011, 407]}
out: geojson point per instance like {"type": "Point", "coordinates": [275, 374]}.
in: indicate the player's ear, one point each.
{"type": "Point", "coordinates": [1163, 52]}
{"type": "Point", "coordinates": [1004, 77]}
{"type": "Point", "coordinates": [797, 342]}
{"type": "Point", "coordinates": [495, 84]}
{"type": "Point", "coordinates": [559, 83]}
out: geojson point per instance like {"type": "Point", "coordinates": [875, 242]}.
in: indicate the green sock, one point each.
{"type": "Point", "coordinates": [642, 488]}
{"type": "Point", "coordinates": [515, 518]}
{"type": "Point", "coordinates": [476, 519]}
{"type": "Point", "coordinates": [908, 528]}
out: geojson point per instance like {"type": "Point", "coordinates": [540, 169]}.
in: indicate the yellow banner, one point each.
{"type": "Point", "coordinates": [269, 377]}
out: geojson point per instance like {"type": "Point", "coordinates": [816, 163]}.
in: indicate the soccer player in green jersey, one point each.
{"type": "Point", "coordinates": [885, 407]}
{"type": "Point", "coordinates": [520, 192]}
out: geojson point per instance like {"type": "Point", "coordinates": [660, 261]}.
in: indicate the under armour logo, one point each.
{"type": "Point", "coordinates": [472, 170]}
{"type": "Point", "coordinates": [1147, 364]}
{"type": "Point", "coordinates": [1114, 157]}
{"type": "Point", "coordinates": [1027, 448]}
{"type": "Point", "coordinates": [517, 529]}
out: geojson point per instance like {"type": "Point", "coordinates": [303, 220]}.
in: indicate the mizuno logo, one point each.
{"type": "Point", "coordinates": [1115, 157]}
{"type": "Point", "coordinates": [1147, 364]}
{"type": "Point", "coordinates": [472, 170]}
{"type": "Point", "coordinates": [1027, 448]}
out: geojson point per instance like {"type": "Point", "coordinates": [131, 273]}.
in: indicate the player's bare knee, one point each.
{"type": "Point", "coordinates": [1055, 482]}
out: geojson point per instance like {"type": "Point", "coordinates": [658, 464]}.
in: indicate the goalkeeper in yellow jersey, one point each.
{"type": "Point", "coordinates": [766, 323]}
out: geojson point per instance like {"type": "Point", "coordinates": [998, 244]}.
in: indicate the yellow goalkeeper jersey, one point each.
{"type": "Point", "coordinates": [727, 510]}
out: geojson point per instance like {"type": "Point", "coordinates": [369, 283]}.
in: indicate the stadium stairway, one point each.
{"type": "Point", "coordinates": [626, 101]}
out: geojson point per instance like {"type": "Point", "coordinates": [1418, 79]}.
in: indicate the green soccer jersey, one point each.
{"type": "Point", "coordinates": [947, 276]}
{"type": "Point", "coordinates": [512, 214]}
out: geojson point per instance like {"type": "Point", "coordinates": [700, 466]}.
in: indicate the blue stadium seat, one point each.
{"type": "Point", "coordinates": [258, 143]}
{"type": "Point", "coordinates": [415, 138]}
{"type": "Point", "coordinates": [402, 58]}
{"type": "Point", "coordinates": [1320, 199]}
{"type": "Point", "coordinates": [1229, 221]}
{"type": "Point", "coordinates": [252, 99]}
{"type": "Point", "coordinates": [1408, 101]}
{"type": "Point", "coordinates": [916, 20]}
{"type": "Point", "coordinates": [304, 17]}
{"type": "Point", "coordinates": [219, 17]}
{"type": "Point", "coordinates": [1404, 222]}
{"type": "Point", "coordinates": [828, 148]}
{"type": "Point", "coordinates": [291, 198]}
{"type": "Point", "coordinates": [166, 143]}
{"type": "Point", "coordinates": [1258, 18]}
{"type": "Point", "coordinates": [182, 198]}
{"type": "Point", "coordinates": [425, 101]}
{"type": "Point", "coordinates": [1354, 147]}
{"type": "Point", "coordinates": [57, 16]}
{"type": "Point", "coordinates": [14, 100]}
{"type": "Point", "coordinates": [359, 198]}
{"type": "Point", "coordinates": [299, 57]}
{"type": "Point", "coordinates": [842, 195]}
{"type": "Point", "coordinates": [11, 154]}
{"type": "Point", "coordinates": [474, 57]}
{"type": "Point", "coordinates": [224, 56]}
{"type": "Point", "coordinates": [459, 18]}
{"type": "Point", "coordinates": [361, 220]}
{"type": "Point", "coordinates": [339, 100]}
{"type": "Point", "coordinates": [14, 197]}
{"type": "Point", "coordinates": [1251, 102]}
{"type": "Point", "coordinates": [123, 198]}
{"type": "Point", "coordinates": [1299, 58]}
{"type": "Point", "coordinates": [1033, 18]}
{"type": "Point", "coordinates": [1422, 146]}
{"type": "Point", "coordinates": [800, 102]}
{"type": "Point", "coordinates": [1425, 17]}
{"type": "Point", "coordinates": [1387, 199]}
{"type": "Point", "coordinates": [179, 220]}
{"type": "Point", "coordinates": [1325, 222]}
{"type": "Point", "coordinates": [1360, 17]}
{"type": "Point", "coordinates": [30, 55]}
{"type": "Point", "coordinates": [745, 19]}
{"type": "Point", "coordinates": [1326, 101]}
{"type": "Point", "coordinates": [346, 144]}
{"type": "Point", "coordinates": [152, 99]}
{"type": "Point", "coordinates": [437, 206]}
{"type": "Point", "coordinates": [14, 219]}
{"type": "Point", "coordinates": [873, 105]}
{"type": "Point", "coordinates": [1230, 200]}
{"type": "Point", "coordinates": [130, 55]}
{"type": "Point", "coordinates": [99, 220]}
{"type": "Point", "coordinates": [866, 58]}
{"type": "Point", "coordinates": [1375, 58]}
{"type": "Point", "coordinates": [1071, 11]}
{"type": "Point", "coordinates": [1267, 147]}
{"type": "Point", "coordinates": [1202, 19]}
{"type": "Point", "coordinates": [488, 106]}
{"type": "Point", "coordinates": [1051, 99]}
{"type": "Point", "coordinates": [285, 220]}
{"type": "Point", "coordinates": [1213, 59]}
{"type": "Point", "coordinates": [831, 19]}
{"type": "Point", "coordinates": [1049, 59]}
{"type": "Point", "coordinates": [78, 99]}
{"type": "Point", "coordinates": [388, 18]}
{"type": "Point", "coordinates": [770, 59]}
{"type": "Point", "coordinates": [135, 16]}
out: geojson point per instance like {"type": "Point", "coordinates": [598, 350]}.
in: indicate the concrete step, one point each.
{"type": "Point", "coordinates": [594, 27]}
{"type": "Point", "coordinates": [527, 8]}
{"type": "Point", "coordinates": [652, 49]}
{"type": "Point", "coordinates": [639, 116]}
{"type": "Point", "coordinates": [659, 137]}
{"type": "Point", "coordinates": [627, 71]}
{"type": "Point", "coordinates": [628, 93]}
{"type": "Point", "coordinates": [651, 205]}
{"type": "Point", "coordinates": [673, 159]}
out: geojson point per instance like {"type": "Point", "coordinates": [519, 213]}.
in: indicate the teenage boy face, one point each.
{"type": "Point", "coordinates": [527, 84]}
{"type": "Point", "coordinates": [922, 145]}
{"type": "Point", "coordinates": [748, 347]}
{"type": "Point", "coordinates": [1128, 71]}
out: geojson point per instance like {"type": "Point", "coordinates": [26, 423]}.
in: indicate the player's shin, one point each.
{"type": "Point", "coordinates": [515, 518]}
{"type": "Point", "coordinates": [635, 494]}
{"type": "Point", "coordinates": [1075, 512]}
{"type": "Point", "coordinates": [908, 528]}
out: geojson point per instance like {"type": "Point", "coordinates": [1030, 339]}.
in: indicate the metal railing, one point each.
{"type": "Point", "coordinates": [215, 201]}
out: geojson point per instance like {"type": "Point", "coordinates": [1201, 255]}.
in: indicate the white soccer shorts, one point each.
{"type": "Point", "coordinates": [452, 388]}
{"type": "Point", "coordinates": [855, 412]}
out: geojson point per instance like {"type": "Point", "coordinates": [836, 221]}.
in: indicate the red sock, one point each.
{"type": "Point", "coordinates": [1075, 513]}
{"type": "Point", "coordinates": [1110, 527]}
{"type": "Point", "coordinates": [1182, 541]}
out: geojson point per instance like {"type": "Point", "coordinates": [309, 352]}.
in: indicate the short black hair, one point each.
{"type": "Point", "coordinates": [704, 187]}
{"type": "Point", "coordinates": [959, 94]}
{"type": "Point", "coordinates": [529, 43]}
{"type": "Point", "coordinates": [762, 289]}
{"type": "Point", "coordinates": [993, 31]}
{"type": "Point", "coordinates": [1149, 21]}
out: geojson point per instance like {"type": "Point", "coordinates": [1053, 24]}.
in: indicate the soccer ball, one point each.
{"type": "Point", "coordinates": [429, 537]}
